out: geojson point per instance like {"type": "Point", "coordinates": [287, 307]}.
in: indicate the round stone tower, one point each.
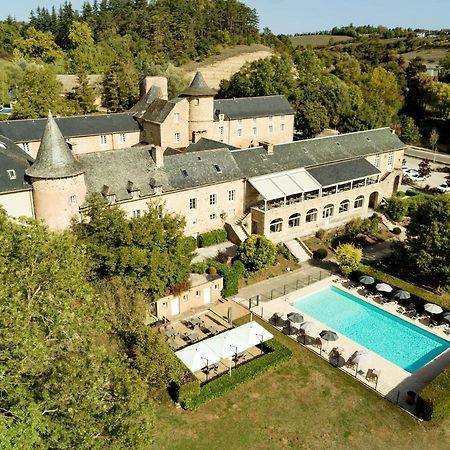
{"type": "Point", "coordinates": [57, 180]}
{"type": "Point", "coordinates": [201, 108]}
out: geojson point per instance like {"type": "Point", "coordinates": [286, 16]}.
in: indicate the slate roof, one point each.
{"type": "Point", "coordinates": [116, 168]}
{"type": "Point", "coordinates": [70, 82]}
{"type": "Point", "coordinates": [312, 152]}
{"type": "Point", "coordinates": [242, 108]}
{"type": "Point", "coordinates": [208, 144]}
{"type": "Point", "coordinates": [198, 88]}
{"type": "Point", "coordinates": [54, 158]}
{"type": "Point", "coordinates": [160, 109]}
{"type": "Point", "coordinates": [30, 130]}
{"type": "Point", "coordinates": [14, 158]}
{"type": "Point", "coordinates": [329, 174]}
{"type": "Point", "coordinates": [145, 101]}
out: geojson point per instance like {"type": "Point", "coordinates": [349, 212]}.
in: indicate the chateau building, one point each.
{"type": "Point", "coordinates": [188, 155]}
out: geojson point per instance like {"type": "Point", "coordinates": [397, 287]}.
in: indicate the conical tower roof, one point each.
{"type": "Point", "coordinates": [54, 158]}
{"type": "Point", "coordinates": [198, 88]}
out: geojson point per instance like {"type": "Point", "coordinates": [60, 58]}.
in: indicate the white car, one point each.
{"type": "Point", "coordinates": [415, 177]}
{"type": "Point", "coordinates": [444, 187]}
{"type": "Point", "coordinates": [410, 172]}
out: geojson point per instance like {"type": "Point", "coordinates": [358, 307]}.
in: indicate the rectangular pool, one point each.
{"type": "Point", "coordinates": [395, 339]}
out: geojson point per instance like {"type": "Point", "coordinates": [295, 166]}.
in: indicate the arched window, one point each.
{"type": "Point", "coordinates": [359, 201]}
{"type": "Point", "coordinates": [328, 211]}
{"type": "Point", "coordinates": [311, 215]}
{"type": "Point", "coordinates": [344, 206]}
{"type": "Point", "coordinates": [276, 225]}
{"type": "Point", "coordinates": [294, 220]}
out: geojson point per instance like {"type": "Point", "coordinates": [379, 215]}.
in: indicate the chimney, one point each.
{"type": "Point", "coordinates": [161, 82]}
{"type": "Point", "coordinates": [157, 154]}
{"type": "Point", "coordinates": [268, 147]}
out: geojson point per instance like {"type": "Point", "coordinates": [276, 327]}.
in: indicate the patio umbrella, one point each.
{"type": "Point", "coordinates": [383, 287]}
{"type": "Point", "coordinates": [328, 335]}
{"type": "Point", "coordinates": [307, 328]}
{"type": "Point", "coordinates": [294, 317]}
{"type": "Point", "coordinates": [402, 295]}
{"type": "Point", "coordinates": [432, 308]}
{"type": "Point", "coordinates": [361, 357]}
{"type": "Point", "coordinates": [446, 317]}
{"type": "Point", "coordinates": [365, 279]}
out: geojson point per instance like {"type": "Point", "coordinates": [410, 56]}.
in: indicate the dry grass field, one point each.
{"type": "Point", "coordinates": [429, 55]}
{"type": "Point", "coordinates": [318, 40]}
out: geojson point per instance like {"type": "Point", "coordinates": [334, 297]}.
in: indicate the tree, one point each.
{"type": "Point", "coordinates": [428, 241]}
{"type": "Point", "coordinates": [409, 131]}
{"type": "Point", "coordinates": [37, 92]}
{"type": "Point", "coordinates": [348, 257]}
{"type": "Point", "coordinates": [425, 168]}
{"type": "Point", "coordinates": [64, 382]}
{"type": "Point", "coordinates": [39, 46]}
{"type": "Point", "coordinates": [83, 95]}
{"type": "Point", "coordinates": [434, 138]}
{"type": "Point", "coordinates": [311, 119]}
{"type": "Point", "coordinates": [396, 208]}
{"type": "Point", "coordinates": [257, 252]}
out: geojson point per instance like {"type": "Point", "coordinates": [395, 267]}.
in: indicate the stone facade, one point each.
{"type": "Point", "coordinates": [18, 203]}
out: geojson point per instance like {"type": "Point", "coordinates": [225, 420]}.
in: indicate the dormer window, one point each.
{"type": "Point", "coordinates": [221, 117]}
{"type": "Point", "coordinates": [158, 189]}
{"type": "Point", "coordinates": [218, 169]}
{"type": "Point", "coordinates": [11, 174]}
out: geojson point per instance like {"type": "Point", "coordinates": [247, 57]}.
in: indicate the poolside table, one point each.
{"type": "Point", "coordinates": [195, 321]}
{"type": "Point", "coordinates": [211, 330]}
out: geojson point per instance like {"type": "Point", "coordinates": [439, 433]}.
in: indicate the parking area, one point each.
{"type": "Point", "coordinates": [434, 180]}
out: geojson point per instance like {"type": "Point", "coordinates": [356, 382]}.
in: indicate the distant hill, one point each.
{"type": "Point", "coordinates": [318, 40]}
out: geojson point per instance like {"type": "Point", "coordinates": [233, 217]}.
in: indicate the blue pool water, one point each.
{"type": "Point", "coordinates": [396, 340]}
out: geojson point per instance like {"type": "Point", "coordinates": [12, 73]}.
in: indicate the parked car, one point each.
{"type": "Point", "coordinates": [444, 187]}
{"type": "Point", "coordinates": [415, 177]}
{"type": "Point", "coordinates": [407, 172]}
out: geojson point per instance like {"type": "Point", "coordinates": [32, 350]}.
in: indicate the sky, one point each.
{"type": "Point", "coordinates": [300, 16]}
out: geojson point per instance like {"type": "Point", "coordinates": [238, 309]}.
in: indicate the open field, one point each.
{"type": "Point", "coordinates": [223, 66]}
{"type": "Point", "coordinates": [303, 404]}
{"type": "Point", "coordinates": [318, 40]}
{"type": "Point", "coordinates": [4, 63]}
{"type": "Point", "coordinates": [429, 55]}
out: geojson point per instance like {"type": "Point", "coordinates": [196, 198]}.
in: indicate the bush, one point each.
{"type": "Point", "coordinates": [396, 208]}
{"type": "Point", "coordinates": [435, 398]}
{"type": "Point", "coordinates": [283, 251]}
{"type": "Point", "coordinates": [212, 270]}
{"type": "Point", "coordinates": [410, 193]}
{"type": "Point", "coordinates": [187, 393]}
{"type": "Point", "coordinates": [320, 234]}
{"type": "Point", "coordinates": [199, 267]}
{"type": "Point", "coordinates": [320, 253]}
{"type": "Point", "coordinates": [277, 354]}
{"type": "Point", "coordinates": [231, 275]}
{"type": "Point", "coordinates": [211, 238]}
{"type": "Point", "coordinates": [181, 286]}
{"type": "Point", "coordinates": [348, 258]}
{"type": "Point", "coordinates": [396, 230]}
{"type": "Point", "coordinates": [257, 252]}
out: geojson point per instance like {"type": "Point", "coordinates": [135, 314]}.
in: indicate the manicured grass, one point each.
{"type": "Point", "coordinates": [303, 404]}
{"type": "Point", "coordinates": [318, 40]}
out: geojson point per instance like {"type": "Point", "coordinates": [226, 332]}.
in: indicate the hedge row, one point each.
{"type": "Point", "coordinates": [211, 238]}
{"type": "Point", "coordinates": [434, 400]}
{"type": "Point", "coordinates": [231, 275]}
{"type": "Point", "coordinates": [191, 396]}
{"type": "Point", "coordinates": [419, 292]}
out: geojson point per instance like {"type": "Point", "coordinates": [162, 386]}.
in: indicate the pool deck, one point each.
{"type": "Point", "coordinates": [393, 381]}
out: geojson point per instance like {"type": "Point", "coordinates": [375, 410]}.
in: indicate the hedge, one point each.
{"type": "Point", "coordinates": [218, 387]}
{"type": "Point", "coordinates": [417, 291]}
{"type": "Point", "coordinates": [231, 275]}
{"type": "Point", "coordinates": [434, 400]}
{"type": "Point", "coordinates": [211, 238]}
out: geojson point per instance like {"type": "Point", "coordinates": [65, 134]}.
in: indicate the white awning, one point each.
{"type": "Point", "coordinates": [222, 346]}
{"type": "Point", "coordinates": [284, 184]}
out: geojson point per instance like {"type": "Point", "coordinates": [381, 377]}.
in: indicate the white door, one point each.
{"type": "Point", "coordinates": [207, 295]}
{"type": "Point", "coordinates": [175, 306]}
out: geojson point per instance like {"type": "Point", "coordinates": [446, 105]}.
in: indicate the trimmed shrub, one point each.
{"type": "Point", "coordinates": [320, 253]}
{"type": "Point", "coordinates": [348, 257]}
{"type": "Point", "coordinates": [396, 230]}
{"type": "Point", "coordinates": [212, 270]}
{"type": "Point", "coordinates": [411, 193]}
{"type": "Point", "coordinates": [435, 398]}
{"type": "Point", "coordinates": [283, 251]}
{"type": "Point", "coordinates": [211, 238]}
{"type": "Point", "coordinates": [396, 208]}
{"type": "Point", "coordinates": [276, 354]}
{"type": "Point", "coordinates": [187, 393]}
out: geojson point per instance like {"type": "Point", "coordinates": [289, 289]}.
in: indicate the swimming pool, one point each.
{"type": "Point", "coordinates": [391, 337]}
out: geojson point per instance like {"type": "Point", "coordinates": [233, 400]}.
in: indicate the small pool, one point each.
{"type": "Point", "coordinates": [395, 339]}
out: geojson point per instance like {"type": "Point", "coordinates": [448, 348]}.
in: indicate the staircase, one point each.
{"type": "Point", "coordinates": [298, 249]}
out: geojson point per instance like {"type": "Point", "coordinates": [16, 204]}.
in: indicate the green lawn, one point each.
{"type": "Point", "coordinates": [303, 404]}
{"type": "Point", "coordinates": [318, 40]}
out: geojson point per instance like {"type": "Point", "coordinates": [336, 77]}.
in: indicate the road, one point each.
{"type": "Point", "coordinates": [423, 153]}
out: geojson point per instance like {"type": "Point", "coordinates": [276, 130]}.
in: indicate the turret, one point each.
{"type": "Point", "coordinates": [201, 108]}
{"type": "Point", "coordinates": [57, 179]}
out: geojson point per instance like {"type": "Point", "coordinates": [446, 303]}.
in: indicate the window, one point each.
{"type": "Point", "coordinates": [328, 211]}
{"type": "Point", "coordinates": [254, 131]}
{"type": "Point", "coordinates": [218, 169]}
{"type": "Point", "coordinates": [254, 119]}
{"type": "Point", "coordinates": [311, 216]}
{"type": "Point", "coordinates": [213, 216]}
{"type": "Point", "coordinates": [359, 202]}
{"type": "Point", "coordinates": [232, 195]}
{"type": "Point", "coordinates": [240, 122]}
{"type": "Point", "coordinates": [176, 118]}
{"type": "Point", "coordinates": [282, 127]}
{"type": "Point", "coordinates": [177, 137]}
{"type": "Point", "coordinates": [239, 132]}
{"type": "Point", "coordinates": [276, 225]}
{"type": "Point", "coordinates": [221, 130]}
{"type": "Point", "coordinates": [216, 287]}
{"type": "Point", "coordinates": [197, 293]}
{"type": "Point", "coordinates": [344, 206]}
{"type": "Point", "coordinates": [270, 118]}
{"type": "Point", "coordinates": [212, 199]}
{"type": "Point", "coordinates": [197, 102]}
{"type": "Point", "coordinates": [185, 298]}
{"type": "Point", "coordinates": [390, 158]}
{"type": "Point", "coordinates": [11, 174]}
{"type": "Point", "coordinates": [231, 212]}
{"type": "Point", "coordinates": [26, 146]}
{"type": "Point", "coordinates": [294, 220]}
{"type": "Point", "coordinates": [103, 139]}
{"type": "Point", "coordinates": [135, 194]}
{"type": "Point", "coordinates": [193, 222]}
{"type": "Point", "coordinates": [270, 128]}
{"type": "Point", "coordinates": [221, 117]}
{"type": "Point", "coordinates": [376, 161]}
{"type": "Point", "coordinates": [192, 203]}
{"type": "Point", "coordinates": [136, 214]}
{"type": "Point", "coordinates": [282, 118]}
{"type": "Point", "coordinates": [73, 199]}
{"type": "Point", "coordinates": [123, 137]}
